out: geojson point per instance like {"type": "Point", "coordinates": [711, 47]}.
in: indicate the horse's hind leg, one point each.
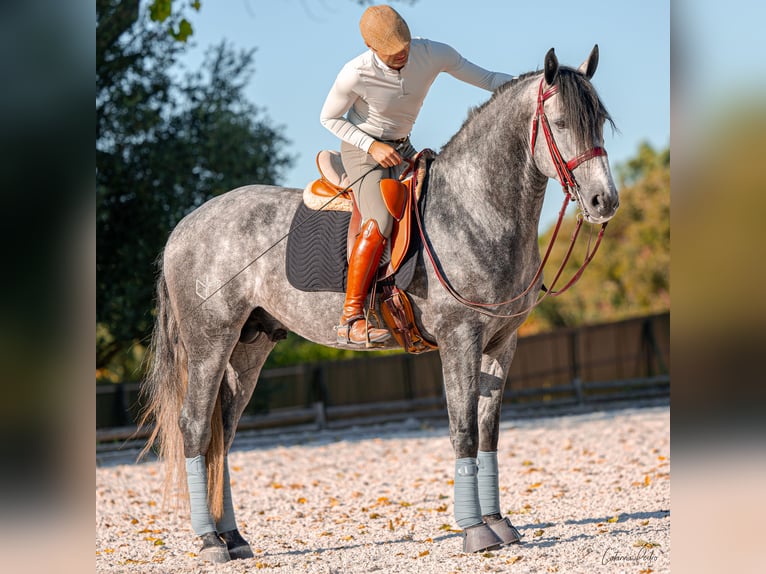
{"type": "Point", "coordinates": [238, 386]}
{"type": "Point", "coordinates": [494, 372]}
{"type": "Point", "coordinates": [208, 352]}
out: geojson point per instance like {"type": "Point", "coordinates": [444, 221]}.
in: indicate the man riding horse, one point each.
{"type": "Point", "coordinates": [372, 107]}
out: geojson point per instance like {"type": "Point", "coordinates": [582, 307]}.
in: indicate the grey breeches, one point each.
{"type": "Point", "coordinates": [367, 192]}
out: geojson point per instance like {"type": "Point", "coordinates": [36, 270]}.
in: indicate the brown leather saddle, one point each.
{"type": "Point", "coordinates": [332, 192]}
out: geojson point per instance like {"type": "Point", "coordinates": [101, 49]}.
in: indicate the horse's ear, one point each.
{"type": "Point", "coordinates": [551, 67]}
{"type": "Point", "coordinates": [588, 67]}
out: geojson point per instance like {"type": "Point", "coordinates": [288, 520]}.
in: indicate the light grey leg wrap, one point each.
{"type": "Point", "coordinates": [467, 509]}
{"type": "Point", "coordinates": [489, 486]}
{"type": "Point", "coordinates": [227, 521]}
{"type": "Point", "coordinates": [196, 478]}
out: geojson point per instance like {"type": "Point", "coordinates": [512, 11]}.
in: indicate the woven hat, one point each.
{"type": "Point", "coordinates": [384, 30]}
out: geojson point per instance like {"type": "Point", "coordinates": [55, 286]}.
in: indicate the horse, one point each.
{"type": "Point", "coordinates": [220, 312]}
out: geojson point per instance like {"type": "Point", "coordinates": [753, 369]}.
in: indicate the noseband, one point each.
{"type": "Point", "coordinates": [564, 169]}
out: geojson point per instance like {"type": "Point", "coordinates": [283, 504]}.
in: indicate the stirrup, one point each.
{"type": "Point", "coordinates": [343, 333]}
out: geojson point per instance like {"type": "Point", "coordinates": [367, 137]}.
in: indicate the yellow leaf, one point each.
{"type": "Point", "coordinates": [134, 521]}
{"type": "Point", "coordinates": [646, 480]}
{"type": "Point", "coordinates": [539, 532]}
{"type": "Point", "coordinates": [424, 553]}
{"type": "Point", "coordinates": [374, 515]}
{"type": "Point", "coordinates": [276, 485]}
{"type": "Point", "coordinates": [347, 538]}
{"type": "Point", "coordinates": [390, 524]}
{"type": "Point", "coordinates": [236, 468]}
{"type": "Point", "coordinates": [442, 508]}
{"type": "Point", "coordinates": [159, 542]}
{"type": "Point", "coordinates": [536, 485]}
{"type": "Point", "coordinates": [428, 540]}
{"type": "Point", "coordinates": [527, 463]}
{"type": "Point", "coordinates": [613, 519]}
{"type": "Point", "coordinates": [645, 544]}
{"type": "Point", "coordinates": [383, 500]}
{"type": "Point", "coordinates": [108, 550]}
{"type": "Point", "coordinates": [301, 500]}
{"type": "Point", "coordinates": [405, 504]}
{"type": "Point", "coordinates": [513, 559]}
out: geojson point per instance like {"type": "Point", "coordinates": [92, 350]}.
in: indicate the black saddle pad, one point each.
{"type": "Point", "coordinates": [316, 252]}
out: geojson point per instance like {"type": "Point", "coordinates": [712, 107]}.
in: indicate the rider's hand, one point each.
{"type": "Point", "coordinates": [384, 154]}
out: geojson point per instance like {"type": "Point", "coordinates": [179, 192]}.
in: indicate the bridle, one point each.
{"type": "Point", "coordinates": [565, 172]}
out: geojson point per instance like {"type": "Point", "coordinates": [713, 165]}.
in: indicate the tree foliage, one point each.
{"type": "Point", "coordinates": [166, 142]}
{"type": "Point", "coordinates": [630, 274]}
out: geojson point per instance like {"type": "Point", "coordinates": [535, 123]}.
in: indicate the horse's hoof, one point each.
{"type": "Point", "coordinates": [237, 546]}
{"type": "Point", "coordinates": [213, 549]}
{"type": "Point", "coordinates": [505, 530]}
{"type": "Point", "coordinates": [480, 537]}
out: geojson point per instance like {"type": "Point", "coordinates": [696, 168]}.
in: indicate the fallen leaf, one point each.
{"type": "Point", "coordinates": [538, 532]}
{"type": "Point", "coordinates": [424, 553]}
{"type": "Point", "coordinates": [513, 559]}
{"type": "Point", "coordinates": [645, 544]}
{"type": "Point", "coordinates": [613, 519]}
{"type": "Point", "coordinates": [301, 500]}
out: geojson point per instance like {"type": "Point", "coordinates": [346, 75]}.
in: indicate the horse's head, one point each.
{"type": "Point", "coordinates": [571, 117]}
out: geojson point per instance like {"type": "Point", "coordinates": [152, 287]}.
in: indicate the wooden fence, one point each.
{"type": "Point", "coordinates": [628, 359]}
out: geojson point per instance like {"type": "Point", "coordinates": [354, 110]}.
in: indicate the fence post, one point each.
{"type": "Point", "coordinates": [320, 392]}
{"type": "Point", "coordinates": [575, 366]}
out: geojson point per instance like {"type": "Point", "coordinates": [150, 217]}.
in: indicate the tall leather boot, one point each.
{"type": "Point", "coordinates": [362, 268]}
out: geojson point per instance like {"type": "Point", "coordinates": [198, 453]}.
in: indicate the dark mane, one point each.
{"type": "Point", "coordinates": [584, 111]}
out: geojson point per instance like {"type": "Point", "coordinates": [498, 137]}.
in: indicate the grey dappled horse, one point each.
{"type": "Point", "coordinates": [213, 334]}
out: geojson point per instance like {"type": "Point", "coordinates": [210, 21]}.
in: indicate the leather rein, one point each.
{"type": "Point", "coordinates": [569, 184]}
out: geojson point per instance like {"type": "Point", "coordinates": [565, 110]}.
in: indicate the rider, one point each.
{"type": "Point", "coordinates": [372, 107]}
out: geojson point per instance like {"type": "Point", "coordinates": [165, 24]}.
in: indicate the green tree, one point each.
{"type": "Point", "coordinates": [630, 275]}
{"type": "Point", "coordinates": [165, 144]}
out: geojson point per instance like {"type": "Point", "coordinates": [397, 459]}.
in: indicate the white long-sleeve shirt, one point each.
{"type": "Point", "coordinates": [370, 101]}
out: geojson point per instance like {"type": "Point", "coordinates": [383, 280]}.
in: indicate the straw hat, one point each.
{"type": "Point", "coordinates": [384, 30]}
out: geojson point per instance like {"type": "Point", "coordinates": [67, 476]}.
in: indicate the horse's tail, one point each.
{"type": "Point", "coordinates": [163, 394]}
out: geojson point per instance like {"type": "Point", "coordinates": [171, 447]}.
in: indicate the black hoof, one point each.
{"type": "Point", "coordinates": [480, 537]}
{"type": "Point", "coordinates": [504, 529]}
{"type": "Point", "coordinates": [237, 546]}
{"type": "Point", "coordinates": [213, 549]}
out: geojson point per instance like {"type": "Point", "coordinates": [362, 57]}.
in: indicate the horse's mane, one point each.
{"type": "Point", "coordinates": [583, 109]}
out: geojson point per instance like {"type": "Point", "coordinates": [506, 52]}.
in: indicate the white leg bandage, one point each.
{"type": "Point", "coordinates": [227, 521]}
{"type": "Point", "coordinates": [489, 486]}
{"type": "Point", "coordinates": [196, 478]}
{"type": "Point", "coordinates": [467, 509]}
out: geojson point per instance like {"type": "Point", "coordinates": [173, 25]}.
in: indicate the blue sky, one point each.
{"type": "Point", "coordinates": [302, 44]}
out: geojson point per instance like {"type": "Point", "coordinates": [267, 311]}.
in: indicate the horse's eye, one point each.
{"type": "Point", "coordinates": [560, 124]}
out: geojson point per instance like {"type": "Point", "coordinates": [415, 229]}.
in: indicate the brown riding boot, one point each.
{"type": "Point", "coordinates": [362, 268]}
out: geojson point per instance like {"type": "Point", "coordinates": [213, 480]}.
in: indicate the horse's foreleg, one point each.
{"type": "Point", "coordinates": [461, 382]}
{"type": "Point", "coordinates": [494, 372]}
